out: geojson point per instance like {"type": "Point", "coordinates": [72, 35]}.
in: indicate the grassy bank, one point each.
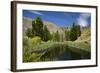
{"type": "Point", "coordinates": [51, 51]}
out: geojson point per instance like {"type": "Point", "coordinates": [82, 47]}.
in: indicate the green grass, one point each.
{"type": "Point", "coordinates": [81, 45]}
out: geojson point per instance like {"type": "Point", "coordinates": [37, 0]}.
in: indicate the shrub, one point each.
{"type": "Point", "coordinates": [25, 41]}
{"type": "Point", "coordinates": [29, 33]}
{"type": "Point", "coordinates": [28, 44]}
{"type": "Point", "coordinates": [35, 40]}
{"type": "Point", "coordinates": [86, 42]}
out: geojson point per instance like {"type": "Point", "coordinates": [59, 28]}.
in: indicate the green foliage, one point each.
{"type": "Point", "coordinates": [25, 41]}
{"type": "Point", "coordinates": [35, 57]}
{"type": "Point", "coordinates": [28, 44]}
{"type": "Point", "coordinates": [46, 34]}
{"type": "Point", "coordinates": [67, 35]}
{"type": "Point", "coordinates": [56, 36]}
{"type": "Point", "coordinates": [78, 28]}
{"type": "Point", "coordinates": [61, 37]}
{"type": "Point", "coordinates": [26, 54]}
{"type": "Point", "coordinates": [35, 40]}
{"type": "Point", "coordinates": [80, 44]}
{"type": "Point", "coordinates": [53, 36]}
{"type": "Point", "coordinates": [26, 47]}
{"type": "Point", "coordinates": [29, 33]}
{"type": "Point", "coordinates": [75, 32]}
{"type": "Point", "coordinates": [37, 27]}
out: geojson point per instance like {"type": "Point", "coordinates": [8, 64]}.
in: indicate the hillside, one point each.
{"type": "Point", "coordinates": [27, 23]}
{"type": "Point", "coordinates": [85, 35]}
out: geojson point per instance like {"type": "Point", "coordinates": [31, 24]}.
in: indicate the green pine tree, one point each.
{"type": "Point", "coordinates": [29, 33]}
{"type": "Point", "coordinates": [67, 35]}
{"type": "Point", "coordinates": [57, 36]}
{"type": "Point", "coordinates": [37, 27]}
{"type": "Point", "coordinates": [46, 34]}
{"type": "Point", "coordinates": [75, 32]}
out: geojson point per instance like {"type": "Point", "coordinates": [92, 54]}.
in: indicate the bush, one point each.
{"type": "Point", "coordinates": [28, 44]}
{"type": "Point", "coordinates": [26, 49]}
{"type": "Point", "coordinates": [29, 33]}
{"type": "Point", "coordinates": [36, 40]}
{"type": "Point", "coordinates": [25, 41]}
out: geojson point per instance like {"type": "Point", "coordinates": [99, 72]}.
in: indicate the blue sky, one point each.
{"type": "Point", "coordinates": [63, 19]}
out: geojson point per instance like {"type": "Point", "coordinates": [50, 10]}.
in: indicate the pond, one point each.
{"type": "Point", "coordinates": [65, 53]}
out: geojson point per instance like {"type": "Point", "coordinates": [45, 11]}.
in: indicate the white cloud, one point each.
{"type": "Point", "coordinates": [85, 15]}
{"type": "Point", "coordinates": [36, 12]}
{"type": "Point", "coordinates": [82, 20]}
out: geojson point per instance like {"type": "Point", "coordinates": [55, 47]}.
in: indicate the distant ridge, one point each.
{"type": "Point", "coordinates": [27, 23]}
